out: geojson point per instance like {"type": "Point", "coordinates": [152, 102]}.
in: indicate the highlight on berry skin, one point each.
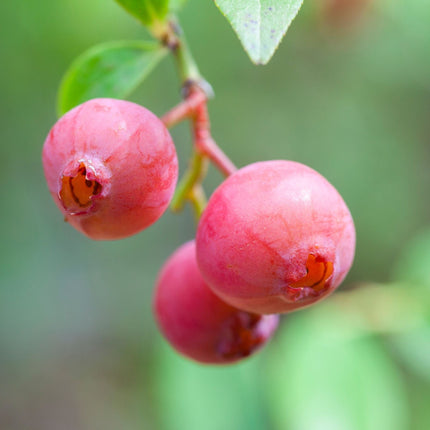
{"type": "Point", "coordinates": [275, 237]}
{"type": "Point", "coordinates": [111, 168]}
{"type": "Point", "coordinates": [197, 323]}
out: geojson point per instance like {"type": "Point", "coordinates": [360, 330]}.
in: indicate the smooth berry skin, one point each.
{"type": "Point", "coordinates": [276, 236]}
{"type": "Point", "coordinates": [197, 323]}
{"type": "Point", "coordinates": [111, 168]}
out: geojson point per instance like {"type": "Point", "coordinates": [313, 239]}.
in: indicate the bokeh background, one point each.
{"type": "Point", "coordinates": [348, 93]}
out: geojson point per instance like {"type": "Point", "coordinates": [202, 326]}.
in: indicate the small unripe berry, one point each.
{"type": "Point", "coordinates": [276, 236]}
{"type": "Point", "coordinates": [111, 167]}
{"type": "Point", "coordinates": [197, 323]}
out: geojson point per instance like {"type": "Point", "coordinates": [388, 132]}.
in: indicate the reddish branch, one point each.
{"type": "Point", "coordinates": [194, 107]}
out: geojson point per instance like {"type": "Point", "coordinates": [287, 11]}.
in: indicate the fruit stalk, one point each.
{"type": "Point", "coordinates": [196, 92]}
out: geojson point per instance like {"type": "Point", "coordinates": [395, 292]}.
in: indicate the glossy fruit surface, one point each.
{"type": "Point", "coordinates": [111, 167]}
{"type": "Point", "coordinates": [276, 236]}
{"type": "Point", "coordinates": [197, 323]}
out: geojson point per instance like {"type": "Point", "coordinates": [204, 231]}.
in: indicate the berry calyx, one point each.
{"type": "Point", "coordinates": [276, 236]}
{"type": "Point", "coordinates": [317, 275]}
{"type": "Point", "coordinates": [80, 185]}
{"type": "Point", "coordinates": [111, 168]}
{"type": "Point", "coordinates": [197, 323]}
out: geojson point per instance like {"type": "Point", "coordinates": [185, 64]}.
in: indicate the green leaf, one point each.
{"type": "Point", "coordinates": [413, 348]}
{"type": "Point", "coordinates": [419, 395]}
{"type": "Point", "coordinates": [260, 24]}
{"type": "Point", "coordinates": [112, 69]}
{"type": "Point", "coordinates": [324, 374]}
{"type": "Point", "coordinates": [175, 5]}
{"type": "Point", "coordinates": [147, 11]}
{"type": "Point", "coordinates": [413, 266]}
{"type": "Point", "coordinates": [194, 397]}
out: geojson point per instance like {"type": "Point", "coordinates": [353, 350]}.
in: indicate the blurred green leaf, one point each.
{"type": "Point", "coordinates": [324, 375]}
{"type": "Point", "coordinates": [413, 348]}
{"type": "Point", "coordinates": [414, 264]}
{"type": "Point", "coordinates": [195, 397]}
{"type": "Point", "coordinates": [147, 11]}
{"type": "Point", "coordinates": [260, 24]}
{"type": "Point", "coordinates": [419, 394]}
{"type": "Point", "coordinates": [112, 69]}
{"type": "Point", "coordinates": [175, 5]}
{"type": "Point", "coordinates": [384, 308]}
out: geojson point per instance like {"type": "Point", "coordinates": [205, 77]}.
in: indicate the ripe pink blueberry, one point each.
{"type": "Point", "coordinates": [276, 236]}
{"type": "Point", "coordinates": [111, 167]}
{"type": "Point", "coordinates": [197, 323]}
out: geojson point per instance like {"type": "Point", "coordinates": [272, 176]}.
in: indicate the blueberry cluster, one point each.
{"type": "Point", "coordinates": [275, 236]}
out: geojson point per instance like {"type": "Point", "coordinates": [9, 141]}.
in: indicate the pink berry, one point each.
{"type": "Point", "coordinates": [197, 323]}
{"type": "Point", "coordinates": [276, 236]}
{"type": "Point", "coordinates": [111, 167]}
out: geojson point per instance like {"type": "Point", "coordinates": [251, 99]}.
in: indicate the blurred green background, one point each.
{"type": "Point", "coordinates": [351, 98]}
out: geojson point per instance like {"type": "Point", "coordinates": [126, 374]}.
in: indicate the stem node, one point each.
{"type": "Point", "coordinates": [196, 92]}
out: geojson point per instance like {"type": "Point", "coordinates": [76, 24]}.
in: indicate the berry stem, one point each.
{"type": "Point", "coordinates": [184, 110]}
{"type": "Point", "coordinates": [198, 199]}
{"type": "Point", "coordinates": [205, 144]}
{"type": "Point", "coordinates": [187, 66]}
{"type": "Point", "coordinates": [189, 187]}
{"type": "Point", "coordinates": [196, 92]}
